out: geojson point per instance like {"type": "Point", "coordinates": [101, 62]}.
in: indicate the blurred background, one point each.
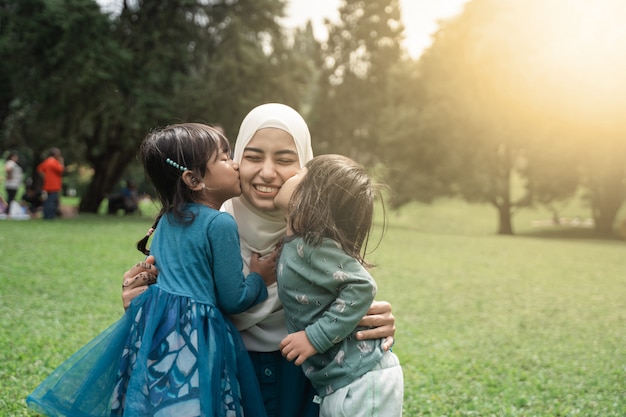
{"type": "Point", "coordinates": [507, 102]}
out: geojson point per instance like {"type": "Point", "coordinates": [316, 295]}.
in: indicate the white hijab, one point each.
{"type": "Point", "coordinates": [263, 326]}
{"type": "Point", "coordinates": [259, 230]}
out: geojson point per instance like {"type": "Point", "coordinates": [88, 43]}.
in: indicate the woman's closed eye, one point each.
{"type": "Point", "coordinates": [253, 158]}
{"type": "Point", "coordinates": [287, 161]}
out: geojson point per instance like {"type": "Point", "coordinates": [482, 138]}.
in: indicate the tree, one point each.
{"type": "Point", "coordinates": [58, 63]}
{"type": "Point", "coordinates": [504, 89]}
{"type": "Point", "coordinates": [354, 85]}
{"type": "Point", "coordinates": [414, 154]}
{"type": "Point", "coordinates": [164, 42]}
{"type": "Point", "coordinates": [253, 63]}
{"type": "Point", "coordinates": [94, 84]}
{"type": "Point", "coordinates": [469, 108]}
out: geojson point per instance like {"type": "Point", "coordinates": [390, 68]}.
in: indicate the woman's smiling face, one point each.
{"type": "Point", "coordinates": [269, 159]}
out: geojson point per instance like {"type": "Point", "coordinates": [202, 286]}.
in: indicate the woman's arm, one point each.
{"type": "Point", "coordinates": [138, 279]}
{"type": "Point", "coordinates": [379, 317]}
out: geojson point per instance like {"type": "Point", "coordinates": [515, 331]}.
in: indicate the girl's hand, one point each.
{"type": "Point", "coordinates": [138, 279]}
{"type": "Point", "coordinates": [264, 266]}
{"type": "Point", "coordinates": [383, 324]}
{"type": "Point", "coordinates": [296, 346]}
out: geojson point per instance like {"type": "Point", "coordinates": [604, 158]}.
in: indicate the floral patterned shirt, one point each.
{"type": "Point", "coordinates": [326, 292]}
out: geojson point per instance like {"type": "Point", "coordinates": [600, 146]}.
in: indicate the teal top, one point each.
{"type": "Point", "coordinates": [202, 261]}
{"type": "Point", "coordinates": [326, 292]}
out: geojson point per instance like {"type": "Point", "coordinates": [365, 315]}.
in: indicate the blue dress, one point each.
{"type": "Point", "coordinates": [174, 352]}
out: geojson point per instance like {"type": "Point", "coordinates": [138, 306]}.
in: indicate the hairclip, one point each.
{"type": "Point", "coordinates": [175, 165]}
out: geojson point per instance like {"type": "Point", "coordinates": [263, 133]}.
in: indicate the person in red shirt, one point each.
{"type": "Point", "coordinates": [51, 170]}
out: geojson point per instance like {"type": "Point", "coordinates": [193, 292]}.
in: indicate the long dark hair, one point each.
{"type": "Point", "coordinates": [168, 152]}
{"type": "Point", "coordinates": [335, 200]}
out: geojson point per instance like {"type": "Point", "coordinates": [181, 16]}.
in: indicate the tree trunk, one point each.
{"type": "Point", "coordinates": [607, 196]}
{"type": "Point", "coordinates": [502, 189]}
{"type": "Point", "coordinates": [107, 172]}
{"type": "Point", "coordinates": [605, 209]}
{"type": "Point", "coordinates": [505, 226]}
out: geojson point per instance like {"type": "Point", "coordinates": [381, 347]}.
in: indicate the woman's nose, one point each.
{"type": "Point", "coordinates": [268, 171]}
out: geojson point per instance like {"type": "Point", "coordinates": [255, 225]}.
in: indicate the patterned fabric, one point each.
{"type": "Point", "coordinates": [173, 367]}
{"type": "Point", "coordinates": [161, 371]}
{"type": "Point", "coordinates": [326, 292]}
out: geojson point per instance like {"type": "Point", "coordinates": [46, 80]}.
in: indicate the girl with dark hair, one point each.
{"type": "Point", "coordinates": [325, 289]}
{"type": "Point", "coordinates": [175, 352]}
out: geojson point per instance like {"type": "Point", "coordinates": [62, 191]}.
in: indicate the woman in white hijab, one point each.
{"type": "Point", "coordinates": [272, 145]}
{"type": "Point", "coordinates": [276, 141]}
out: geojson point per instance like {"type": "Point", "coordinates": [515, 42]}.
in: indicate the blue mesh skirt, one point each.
{"type": "Point", "coordinates": [167, 356]}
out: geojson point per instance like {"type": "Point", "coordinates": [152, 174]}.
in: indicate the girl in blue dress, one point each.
{"type": "Point", "coordinates": [174, 352]}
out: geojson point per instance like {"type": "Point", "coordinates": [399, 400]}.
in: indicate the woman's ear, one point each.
{"type": "Point", "coordinates": [192, 182]}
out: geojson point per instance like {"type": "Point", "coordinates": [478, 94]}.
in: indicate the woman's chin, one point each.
{"type": "Point", "coordinates": [262, 203]}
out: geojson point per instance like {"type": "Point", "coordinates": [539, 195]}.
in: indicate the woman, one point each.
{"type": "Point", "coordinates": [13, 181]}
{"type": "Point", "coordinates": [273, 144]}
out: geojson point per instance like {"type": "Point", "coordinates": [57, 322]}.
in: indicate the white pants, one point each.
{"type": "Point", "coordinates": [378, 393]}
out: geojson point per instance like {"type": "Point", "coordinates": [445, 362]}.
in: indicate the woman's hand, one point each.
{"type": "Point", "coordinates": [383, 324]}
{"type": "Point", "coordinates": [138, 279]}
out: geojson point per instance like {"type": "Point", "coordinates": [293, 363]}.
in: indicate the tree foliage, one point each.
{"type": "Point", "coordinates": [507, 92]}
{"type": "Point", "coordinates": [95, 84]}
{"type": "Point", "coordinates": [515, 104]}
{"type": "Point", "coordinates": [362, 48]}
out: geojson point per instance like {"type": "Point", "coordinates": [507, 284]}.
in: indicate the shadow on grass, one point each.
{"type": "Point", "coordinates": [106, 218]}
{"type": "Point", "coordinates": [564, 232]}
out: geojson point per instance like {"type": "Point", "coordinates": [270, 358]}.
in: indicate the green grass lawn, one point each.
{"type": "Point", "coordinates": [487, 325]}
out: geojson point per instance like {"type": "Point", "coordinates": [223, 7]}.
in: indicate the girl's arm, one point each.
{"type": "Point", "coordinates": [235, 292]}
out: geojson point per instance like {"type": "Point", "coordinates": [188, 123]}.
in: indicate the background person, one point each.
{"type": "Point", "coordinates": [51, 170]}
{"type": "Point", "coordinates": [13, 178]}
{"type": "Point", "coordinates": [32, 198]}
{"type": "Point", "coordinates": [127, 200]}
